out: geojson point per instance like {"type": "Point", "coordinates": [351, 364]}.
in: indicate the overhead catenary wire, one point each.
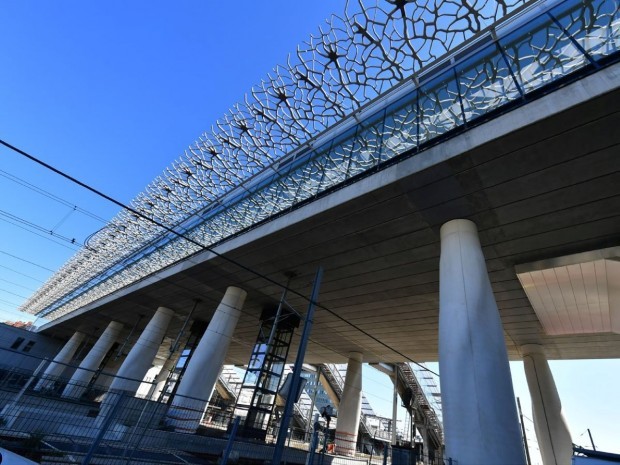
{"type": "Point", "coordinates": [50, 195]}
{"type": "Point", "coordinates": [18, 285]}
{"type": "Point", "coordinates": [199, 244]}
{"type": "Point", "coordinates": [9, 303]}
{"type": "Point", "coordinates": [49, 237]}
{"type": "Point", "coordinates": [13, 293]}
{"type": "Point", "coordinates": [13, 219]}
{"type": "Point", "coordinates": [13, 270]}
{"type": "Point", "coordinates": [63, 219]}
{"type": "Point", "coordinates": [26, 261]}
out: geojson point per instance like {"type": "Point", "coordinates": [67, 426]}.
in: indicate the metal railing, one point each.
{"type": "Point", "coordinates": [420, 400]}
{"type": "Point", "coordinates": [39, 418]}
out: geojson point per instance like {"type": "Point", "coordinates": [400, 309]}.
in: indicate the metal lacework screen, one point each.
{"type": "Point", "coordinates": [257, 161]}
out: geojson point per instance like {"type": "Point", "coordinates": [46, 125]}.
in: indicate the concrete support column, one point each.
{"type": "Point", "coordinates": [203, 369]}
{"type": "Point", "coordinates": [554, 439]}
{"type": "Point", "coordinates": [480, 417]}
{"type": "Point", "coordinates": [350, 407]}
{"type": "Point", "coordinates": [82, 376]}
{"type": "Point", "coordinates": [58, 365]}
{"type": "Point", "coordinates": [140, 357]}
{"type": "Point", "coordinates": [161, 378]}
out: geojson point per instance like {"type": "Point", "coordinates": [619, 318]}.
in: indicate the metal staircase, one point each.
{"type": "Point", "coordinates": [228, 384]}
{"type": "Point", "coordinates": [333, 383]}
{"type": "Point", "coordinates": [419, 405]}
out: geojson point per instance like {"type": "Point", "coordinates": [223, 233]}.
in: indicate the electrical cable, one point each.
{"type": "Point", "coordinates": [13, 270]}
{"type": "Point", "coordinates": [15, 218]}
{"type": "Point", "coordinates": [49, 195]}
{"type": "Point", "coordinates": [63, 219]}
{"type": "Point", "coordinates": [18, 285]}
{"type": "Point", "coordinates": [13, 293]}
{"type": "Point", "coordinates": [44, 236]}
{"type": "Point", "coordinates": [202, 246]}
{"type": "Point", "coordinates": [27, 261]}
{"type": "Point", "coordinates": [10, 303]}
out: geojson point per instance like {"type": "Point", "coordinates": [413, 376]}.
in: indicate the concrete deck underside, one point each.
{"type": "Point", "coordinates": [541, 181]}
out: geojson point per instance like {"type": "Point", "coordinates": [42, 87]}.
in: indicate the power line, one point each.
{"type": "Point", "coordinates": [64, 218]}
{"type": "Point", "coordinates": [49, 195]}
{"type": "Point", "coordinates": [202, 246]}
{"type": "Point", "coordinates": [13, 293]}
{"type": "Point", "coordinates": [10, 303]}
{"type": "Point", "coordinates": [35, 226]}
{"type": "Point", "coordinates": [44, 236]}
{"type": "Point", "coordinates": [17, 284]}
{"type": "Point", "coordinates": [48, 237]}
{"type": "Point", "coordinates": [20, 273]}
{"type": "Point", "coordinates": [27, 261]}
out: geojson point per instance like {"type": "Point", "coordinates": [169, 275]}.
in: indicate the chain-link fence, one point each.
{"type": "Point", "coordinates": [52, 420]}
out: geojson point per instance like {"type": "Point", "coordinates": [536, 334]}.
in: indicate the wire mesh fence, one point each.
{"type": "Point", "coordinates": [52, 420]}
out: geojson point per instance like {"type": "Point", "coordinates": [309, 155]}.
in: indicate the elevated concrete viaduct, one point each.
{"type": "Point", "coordinates": [540, 182]}
{"type": "Point", "coordinates": [469, 215]}
{"type": "Point", "coordinates": [537, 185]}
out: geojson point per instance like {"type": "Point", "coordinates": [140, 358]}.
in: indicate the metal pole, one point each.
{"type": "Point", "coordinates": [139, 441]}
{"type": "Point", "coordinates": [591, 440]}
{"type": "Point", "coordinates": [274, 327]}
{"type": "Point", "coordinates": [527, 452]}
{"type": "Point", "coordinates": [175, 345]}
{"type": "Point", "coordinates": [104, 428]}
{"type": "Point", "coordinates": [7, 410]}
{"type": "Point", "coordinates": [292, 397]}
{"type": "Point", "coordinates": [313, 441]}
{"type": "Point", "coordinates": [122, 347]}
{"type": "Point", "coordinates": [231, 440]}
{"type": "Point", "coordinates": [386, 451]}
{"type": "Point", "coordinates": [394, 405]}
{"type": "Point", "coordinates": [30, 380]}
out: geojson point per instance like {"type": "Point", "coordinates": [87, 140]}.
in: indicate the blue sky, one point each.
{"type": "Point", "coordinates": [111, 92]}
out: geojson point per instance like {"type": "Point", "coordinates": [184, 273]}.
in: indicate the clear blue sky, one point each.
{"type": "Point", "coordinates": [111, 92]}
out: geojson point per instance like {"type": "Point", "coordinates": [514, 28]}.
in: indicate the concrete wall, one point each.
{"type": "Point", "coordinates": [28, 353]}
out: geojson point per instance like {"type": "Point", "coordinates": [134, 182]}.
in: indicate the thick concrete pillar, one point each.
{"type": "Point", "coordinates": [480, 417]}
{"type": "Point", "coordinates": [58, 365]}
{"type": "Point", "coordinates": [203, 369]}
{"type": "Point", "coordinates": [85, 372]}
{"type": "Point", "coordinates": [140, 357]}
{"type": "Point", "coordinates": [554, 440]}
{"type": "Point", "coordinates": [350, 407]}
{"type": "Point", "coordinates": [161, 378]}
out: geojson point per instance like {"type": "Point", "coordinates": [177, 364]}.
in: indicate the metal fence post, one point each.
{"type": "Point", "coordinates": [386, 452]}
{"type": "Point", "coordinates": [231, 441]}
{"type": "Point", "coordinates": [104, 427]}
{"type": "Point", "coordinates": [314, 440]}
{"type": "Point", "coordinates": [10, 409]}
{"type": "Point", "coordinates": [295, 384]}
